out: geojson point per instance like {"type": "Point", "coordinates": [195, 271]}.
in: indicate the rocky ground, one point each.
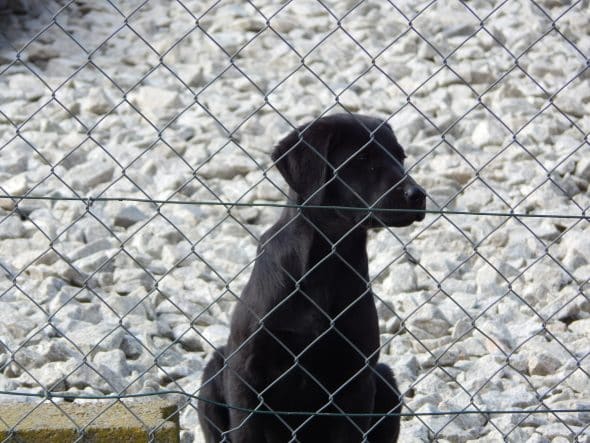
{"type": "Point", "coordinates": [122, 118]}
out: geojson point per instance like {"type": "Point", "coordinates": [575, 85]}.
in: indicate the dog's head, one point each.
{"type": "Point", "coordinates": [351, 161]}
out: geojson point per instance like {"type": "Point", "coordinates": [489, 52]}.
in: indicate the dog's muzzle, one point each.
{"type": "Point", "coordinates": [415, 199]}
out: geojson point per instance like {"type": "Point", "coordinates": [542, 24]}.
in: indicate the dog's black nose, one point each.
{"type": "Point", "coordinates": [415, 195]}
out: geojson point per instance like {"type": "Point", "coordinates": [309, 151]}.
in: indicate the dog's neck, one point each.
{"type": "Point", "coordinates": [335, 255]}
{"type": "Point", "coordinates": [316, 258]}
{"type": "Point", "coordinates": [327, 242]}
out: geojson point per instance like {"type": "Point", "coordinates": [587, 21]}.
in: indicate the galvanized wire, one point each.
{"type": "Point", "coordinates": [440, 211]}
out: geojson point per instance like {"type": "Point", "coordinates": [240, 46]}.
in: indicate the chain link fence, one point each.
{"type": "Point", "coordinates": [136, 180]}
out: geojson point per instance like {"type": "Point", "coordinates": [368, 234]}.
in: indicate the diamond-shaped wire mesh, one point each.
{"type": "Point", "coordinates": [136, 181]}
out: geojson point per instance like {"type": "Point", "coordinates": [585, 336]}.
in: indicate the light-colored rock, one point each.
{"type": "Point", "coordinates": [97, 102]}
{"type": "Point", "coordinates": [488, 281]}
{"type": "Point", "coordinates": [100, 261]}
{"type": "Point", "coordinates": [88, 175]}
{"type": "Point", "coordinates": [489, 132]}
{"type": "Point", "coordinates": [103, 336]}
{"type": "Point", "coordinates": [60, 350]}
{"type": "Point", "coordinates": [401, 278]}
{"type": "Point", "coordinates": [98, 245]}
{"type": "Point", "coordinates": [214, 336]}
{"type": "Point", "coordinates": [227, 164]}
{"type": "Point", "coordinates": [114, 359]}
{"type": "Point", "coordinates": [97, 376]}
{"type": "Point", "coordinates": [188, 337]}
{"type": "Point", "coordinates": [155, 102]}
{"type": "Point", "coordinates": [578, 381]}
{"type": "Point", "coordinates": [543, 364]}
{"type": "Point", "coordinates": [128, 216]}
{"type": "Point", "coordinates": [553, 430]}
{"type": "Point", "coordinates": [52, 375]}
{"type": "Point", "coordinates": [429, 322]}
{"type": "Point", "coordinates": [13, 185]}
{"type": "Point", "coordinates": [11, 227]}
{"type": "Point", "coordinates": [581, 327]}
{"type": "Point", "coordinates": [537, 438]}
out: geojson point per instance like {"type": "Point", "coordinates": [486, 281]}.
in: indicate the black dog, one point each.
{"type": "Point", "coordinates": [304, 337]}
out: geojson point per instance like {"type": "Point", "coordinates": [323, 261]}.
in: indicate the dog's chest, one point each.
{"type": "Point", "coordinates": [322, 330]}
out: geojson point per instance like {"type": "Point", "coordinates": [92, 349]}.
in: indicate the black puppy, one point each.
{"type": "Point", "coordinates": [304, 338]}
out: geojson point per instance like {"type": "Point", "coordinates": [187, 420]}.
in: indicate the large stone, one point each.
{"type": "Point", "coordinates": [400, 278]}
{"type": "Point", "coordinates": [93, 247]}
{"type": "Point", "coordinates": [489, 132]}
{"type": "Point", "coordinates": [13, 185]}
{"type": "Point", "coordinates": [104, 336]}
{"type": "Point", "coordinates": [227, 164]}
{"type": "Point", "coordinates": [11, 227]}
{"type": "Point", "coordinates": [97, 102]}
{"type": "Point", "coordinates": [543, 364]}
{"type": "Point", "coordinates": [155, 103]}
{"type": "Point", "coordinates": [128, 216]}
{"type": "Point", "coordinates": [115, 360]}
{"type": "Point", "coordinates": [581, 327]}
{"type": "Point", "coordinates": [213, 337]}
{"type": "Point", "coordinates": [86, 176]}
{"type": "Point", "coordinates": [188, 337]}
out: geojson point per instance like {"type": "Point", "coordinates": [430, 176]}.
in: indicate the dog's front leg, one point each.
{"type": "Point", "coordinates": [356, 397]}
{"type": "Point", "coordinates": [246, 426]}
{"type": "Point", "coordinates": [388, 401]}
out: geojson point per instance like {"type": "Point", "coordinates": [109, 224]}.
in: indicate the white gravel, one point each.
{"type": "Point", "coordinates": [477, 312]}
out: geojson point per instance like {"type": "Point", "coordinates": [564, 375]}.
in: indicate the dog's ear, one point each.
{"type": "Point", "coordinates": [302, 158]}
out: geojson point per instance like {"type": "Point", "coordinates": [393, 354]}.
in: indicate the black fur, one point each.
{"type": "Point", "coordinates": [304, 336]}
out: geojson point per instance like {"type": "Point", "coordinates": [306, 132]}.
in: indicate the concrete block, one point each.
{"type": "Point", "coordinates": [109, 421]}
